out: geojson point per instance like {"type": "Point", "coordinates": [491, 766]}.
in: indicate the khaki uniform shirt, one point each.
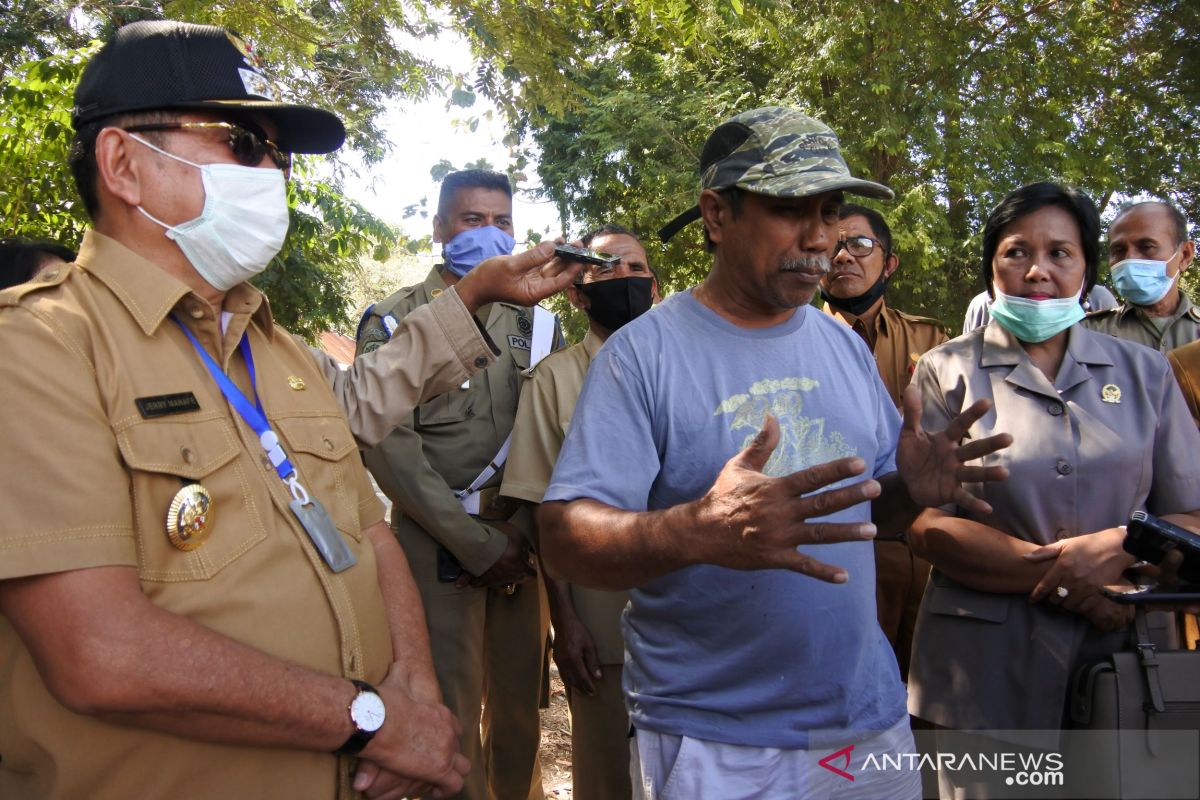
{"type": "Point", "coordinates": [1185, 361]}
{"type": "Point", "coordinates": [1109, 436]}
{"type": "Point", "coordinates": [1130, 322]}
{"type": "Point", "coordinates": [451, 438]}
{"type": "Point", "coordinates": [547, 404]}
{"type": "Point", "coordinates": [87, 478]}
{"type": "Point", "coordinates": [900, 340]}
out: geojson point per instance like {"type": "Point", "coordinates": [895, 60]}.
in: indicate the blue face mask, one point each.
{"type": "Point", "coordinates": [1142, 281]}
{"type": "Point", "coordinates": [471, 247]}
{"type": "Point", "coordinates": [1035, 320]}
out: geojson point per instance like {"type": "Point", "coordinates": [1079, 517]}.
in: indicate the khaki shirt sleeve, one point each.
{"type": "Point", "coordinates": [1185, 363]}
{"type": "Point", "coordinates": [537, 440]}
{"type": "Point", "coordinates": [63, 485]}
{"type": "Point", "coordinates": [435, 348]}
{"type": "Point", "coordinates": [425, 497]}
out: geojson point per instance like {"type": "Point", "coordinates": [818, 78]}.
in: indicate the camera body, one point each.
{"type": "Point", "coordinates": [572, 253]}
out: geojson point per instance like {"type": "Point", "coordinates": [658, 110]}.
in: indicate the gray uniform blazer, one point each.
{"type": "Point", "coordinates": [1111, 435]}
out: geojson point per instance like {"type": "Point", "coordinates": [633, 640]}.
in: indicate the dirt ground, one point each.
{"type": "Point", "coordinates": [555, 750]}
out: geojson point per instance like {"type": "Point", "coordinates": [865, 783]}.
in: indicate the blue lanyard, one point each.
{"type": "Point", "coordinates": [253, 415]}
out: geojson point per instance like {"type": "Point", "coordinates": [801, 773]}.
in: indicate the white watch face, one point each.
{"type": "Point", "coordinates": [367, 711]}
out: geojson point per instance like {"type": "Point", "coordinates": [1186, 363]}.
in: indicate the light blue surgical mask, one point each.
{"type": "Point", "coordinates": [1143, 281]}
{"type": "Point", "coordinates": [468, 249]}
{"type": "Point", "coordinates": [1035, 320]}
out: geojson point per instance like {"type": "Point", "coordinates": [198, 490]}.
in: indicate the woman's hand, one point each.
{"type": "Point", "coordinates": [1082, 566]}
{"type": "Point", "coordinates": [1105, 614]}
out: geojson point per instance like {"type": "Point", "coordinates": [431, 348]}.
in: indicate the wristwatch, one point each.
{"type": "Point", "coordinates": [367, 714]}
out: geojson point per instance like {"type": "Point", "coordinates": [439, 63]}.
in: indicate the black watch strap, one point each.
{"type": "Point", "coordinates": [360, 738]}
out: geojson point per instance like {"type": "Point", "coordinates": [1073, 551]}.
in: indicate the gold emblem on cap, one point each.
{"type": "Point", "coordinates": [296, 382]}
{"type": "Point", "coordinates": [190, 517]}
{"type": "Point", "coordinates": [1111, 393]}
{"type": "Point", "coordinates": [436, 293]}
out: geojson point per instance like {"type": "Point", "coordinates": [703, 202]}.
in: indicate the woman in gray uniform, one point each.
{"type": "Point", "coordinates": [1099, 430]}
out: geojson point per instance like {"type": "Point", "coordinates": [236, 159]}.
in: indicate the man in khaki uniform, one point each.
{"type": "Point", "coordinates": [588, 646]}
{"type": "Point", "coordinates": [1148, 249]}
{"type": "Point", "coordinates": [171, 593]}
{"type": "Point", "coordinates": [470, 556]}
{"type": "Point", "coordinates": [854, 293]}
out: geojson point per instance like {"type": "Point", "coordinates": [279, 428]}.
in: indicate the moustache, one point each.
{"type": "Point", "coordinates": [818, 263]}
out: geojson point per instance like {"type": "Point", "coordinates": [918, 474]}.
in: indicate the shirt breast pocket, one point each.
{"type": "Point", "coordinates": [167, 455]}
{"type": "Point", "coordinates": [445, 409]}
{"type": "Point", "coordinates": [323, 451]}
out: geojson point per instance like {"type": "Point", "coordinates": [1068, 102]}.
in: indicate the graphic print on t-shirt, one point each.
{"type": "Point", "coordinates": [803, 441]}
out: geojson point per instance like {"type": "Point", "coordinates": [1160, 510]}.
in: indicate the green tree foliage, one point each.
{"type": "Point", "coordinates": [340, 55]}
{"type": "Point", "coordinates": [950, 102]}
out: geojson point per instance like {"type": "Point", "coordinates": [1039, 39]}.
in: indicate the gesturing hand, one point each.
{"type": "Point", "coordinates": [933, 465]}
{"type": "Point", "coordinates": [751, 521]}
{"type": "Point", "coordinates": [522, 279]}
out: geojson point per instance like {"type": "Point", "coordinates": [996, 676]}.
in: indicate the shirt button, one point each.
{"type": "Point", "coordinates": [481, 362]}
{"type": "Point", "coordinates": [1055, 409]}
{"type": "Point", "coordinates": [49, 276]}
{"type": "Point", "coordinates": [266, 462]}
{"type": "Point", "coordinates": [1064, 467]}
{"type": "Point", "coordinates": [197, 312]}
{"type": "Point", "coordinates": [187, 454]}
{"type": "Point", "coordinates": [328, 444]}
{"type": "Point", "coordinates": [1060, 534]}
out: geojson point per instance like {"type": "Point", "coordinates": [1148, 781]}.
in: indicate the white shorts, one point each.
{"type": "Point", "coordinates": [668, 767]}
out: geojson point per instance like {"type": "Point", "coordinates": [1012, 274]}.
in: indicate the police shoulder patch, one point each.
{"type": "Point", "coordinates": [518, 342]}
{"type": "Point", "coordinates": [371, 347]}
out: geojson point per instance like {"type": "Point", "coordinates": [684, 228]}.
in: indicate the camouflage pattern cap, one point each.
{"type": "Point", "coordinates": [774, 151]}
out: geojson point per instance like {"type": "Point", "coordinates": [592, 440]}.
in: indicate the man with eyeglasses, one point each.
{"type": "Point", "coordinates": [854, 288]}
{"type": "Point", "coordinates": [198, 596]}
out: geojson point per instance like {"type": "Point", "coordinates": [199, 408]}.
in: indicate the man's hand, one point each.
{"type": "Point", "coordinates": [575, 653]}
{"type": "Point", "coordinates": [416, 748]}
{"type": "Point", "coordinates": [514, 566]}
{"type": "Point", "coordinates": [752, 521]}
{"type": "Point", "coordinates": [1082, 566]}
{"type": "Point", "coordinates": [1106, 615]}
{"type": "Point", "coordinates": [522, 279]}
{"type": "Point", "coordinates": [933, 465]}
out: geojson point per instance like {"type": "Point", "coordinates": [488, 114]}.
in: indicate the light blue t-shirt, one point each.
{"type": "Point", "coordinates": [750, 658]}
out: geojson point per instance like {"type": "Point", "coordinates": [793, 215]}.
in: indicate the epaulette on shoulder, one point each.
{"type": "Point", "coordinates": [1101, 313]}
{"type": "Point", "coordinates": [918, 319]}
{"type": "Point", "coordinates": [1194, 313]}
{"type": "Point", "coordinates": [54, 276]}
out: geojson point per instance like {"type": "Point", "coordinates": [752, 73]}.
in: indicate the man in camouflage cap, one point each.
{"type": "Point", "coordinates": [720, 439]}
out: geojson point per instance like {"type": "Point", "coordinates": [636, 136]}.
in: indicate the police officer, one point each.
{"type": "Point", "coordinates": [469, 556]}
{"type": "Point", "coordinates": [854, 288]}
{"type": "Point", "coordinates": [1148, 249]}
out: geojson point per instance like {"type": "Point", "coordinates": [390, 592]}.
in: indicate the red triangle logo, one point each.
{"type": "Point", "coordinates": [843, 753]}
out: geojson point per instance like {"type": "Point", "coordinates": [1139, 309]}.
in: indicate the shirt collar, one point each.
{"type": "Point", "coordinates": [150, 293]}
{"type": "Point", "coordinates": [1001, 348]}
{"type": "Point", "coordinates": [592, 344]}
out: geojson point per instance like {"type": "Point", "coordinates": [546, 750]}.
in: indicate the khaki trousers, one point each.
{"type": "Point", "coordinates": [900, 579]}
{"type": "Point", "coordinates": [600, 740]}
{"type": "Point", "coordinates": [488, 651]}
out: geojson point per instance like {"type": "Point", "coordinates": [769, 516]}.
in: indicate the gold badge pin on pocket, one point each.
{"type": "Point", "coordinates": [190, 517]}
{"type": "Point", "coordinates": [296, 382]}
{"type": "Point", "coordinates": [1111, 393]}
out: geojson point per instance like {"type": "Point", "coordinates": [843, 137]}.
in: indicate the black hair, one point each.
{"type": "Point", "coordinates": [1177, 217]}
{"type": "Point", "coordinates": [82, 156]}
{"type": "Point", "coordinates": [611, 229]}
{"type": "Point", "coordinates": [879, 226]}
{"type": "Point", "coordinates": [735, 196]}
{"type": "Point", "coordinates": [20, 259]}
{"type": "Point", "coordinates": [470, 179]}
{"type": "Point", "coordinates": [1028, 199]}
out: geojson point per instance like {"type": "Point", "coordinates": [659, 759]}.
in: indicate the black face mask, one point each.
{"type": "Point", "coordinates": [616, 301]}
{"type": "Point", "coordinates": [857, 305]}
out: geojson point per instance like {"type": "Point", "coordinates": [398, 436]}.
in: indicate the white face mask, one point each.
{"type": "Point", "coordinates": [241, 227]}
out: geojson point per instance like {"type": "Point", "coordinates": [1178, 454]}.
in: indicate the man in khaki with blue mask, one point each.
{"type": "Point", "coordinates": [198, 597]}
{"type": "Point", "coordinates": [470, 548]}
{"type": "Point", "coordinates": [1148, 249]}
